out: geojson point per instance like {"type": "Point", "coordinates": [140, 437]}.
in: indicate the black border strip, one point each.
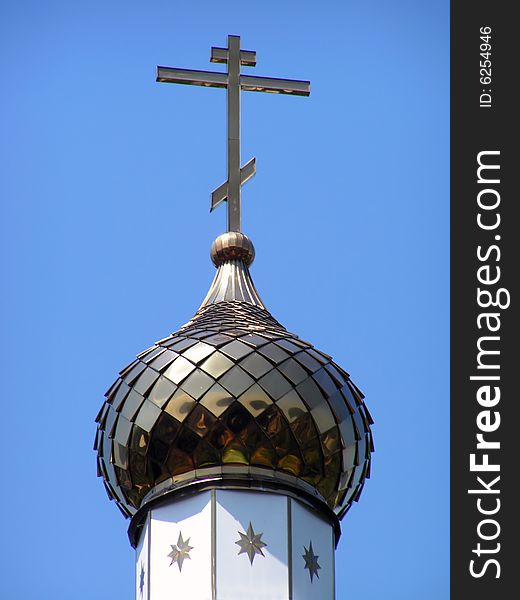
{"type": "Point", "coordinates": [483, 125]}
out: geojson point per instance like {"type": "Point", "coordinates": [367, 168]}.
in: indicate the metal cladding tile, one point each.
{"type": "Point", "coordinates": [345, 479]}
{"type": "Point", "coordinates": [122, 433]}
{"type": "Point", "coordinates": [218, 339]}
{"type": "Point", "coordinates": [125, 483]}
{"type": "Point", "coordinates": [217, 399]}
{"type": "Point", "coordinates": [102, 467]}
{"type": "Point", "coordinates": [120, 455]}
{"type": "Point", "coordinates": [206, 455]}
{"type": "Point", "coordinates": [278, 412]}
{"type": "Point", "coordinates": [339, 407]}
{"type": "Point", "coordinates": [216, 365]}
{"type": "Point", "coordinates": [310, 393]}
{"type": "Point", "coordinates": [275, 384]}
{"type": "Point", "coordinates": [304, 429]}
{"type": "Point", "coordinates": [162, 391]}
{"type": "Point", "coordinates": [197, 353]}
{"type": "Point", "coordinates": [236, 349]}
{"type": "Point", "coordinates": [357, 391]}
{"type": "Point", "coordinates": [293, 371]}
{"type": "Point", "coordinates": [286, 344]}
{"type": "Point", "coordinates": [113, 388]}
{"type": "Point", "coordinates": [357, 398]}
{"type": "Point", "coordinates": [366, 465]}
{"type": "Point", "coordinates": [322, 416]}
{"type": "Point", "coordinates": [255, 400]}
{"type": "Point", "coordinates": [111, 422]}
{"type": "Point", "coordinates": [148, 415]}
{"type": "Point", "coordinates": [330, 441]}
{"type": "Point", "coordinates": [122, 392]}
{"type": "Point", "coordinates": [305, 359]}
{"type": "Point", "coordinates": [101, 416]}
{"type": "Point", "coordinates": [350, 457]}
{"type": "Point", "coordinates": [128, 368]}
{"type": "Point", "coordinates": [165, 430]}
{"type": "Point", "coordinates": [300, 343]}
{"type": "Point", "coordinates": [158, 453]}
{"type": "Point", "coordinates": [348, 432]}
{"type": "Point", "coordinates": [360, 425]}
{"type": "Point", "coordinates": [101, 442]}
{"type": "Point", "coordinates": [350, 401]}
{"type": "Point", "coordinates": [148, 355]}
{"type": "Point", "coordinates": [325, 381]}
{"type": "Point", "coordinates": [368, 416]}
{"type": "Point", "coordinates": [364, 418]}
{"type": "Point", "coordinates": [339, 379]}
{"type": "Point", "coordinates": [256, 365]}
{"type": "Point", "coordinates": [362, 449]}
{"type": "Point", "coordinates": [183, 344]}
{"type": "Point", "coordinates": [108, 489]}
{"type": "Point", "coordinates": [169, 341]}
{"type": "Point", "coordinates": [292, 406]}
{"type": "Point", "coordinates": [163, 360]}
{"type": "Point", "coordinates": [195, 333]}
{"type": "Point", "coordinates": [321, 357]}
{"type": "Point", "coordinates": [180, 405]}
{"type": "Point", "coordinates": [179, 370]}
{"type": "Point", "coordinates": [134, 373]}
{"type": "Point", "coordinates": [274, 353]}
{"type": "Point", "coordinates": [139, 442]}
{"type": "Point", "coordinates": [197, 384]}
{"type": "Point", "coordinates": [145, 381]}
{"type": "Point", "coordinates": [200, 420]}
{"type": "Point", "coordinates": [254, 340]}
{"type": "Point", "coordinates": [357, 493]}
{"type": "Point", "coordinates": [236, 381]}
{"type": "Point", "coordinates": [132, 404]}
{"type": "Point", "coordinates": [342, 372]}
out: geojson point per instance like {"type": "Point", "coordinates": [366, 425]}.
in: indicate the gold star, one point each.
{"type": "Point", "coordinates": [311, 561]}
{"type": "Point", "coordinates": [251, 543]}
{"type": "Point", "coordinates": [180, 552]}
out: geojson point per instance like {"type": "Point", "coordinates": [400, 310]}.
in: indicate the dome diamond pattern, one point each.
{"type": "Point", "coordinates": [233, 392]}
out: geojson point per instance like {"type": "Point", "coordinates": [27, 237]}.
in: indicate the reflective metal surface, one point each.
{"type": "Point", "coordinates": [232, 246]}
{"type": "Point", "coordinates": [234, 82]}
{"type": "Point", "coordinates": [233, 392]}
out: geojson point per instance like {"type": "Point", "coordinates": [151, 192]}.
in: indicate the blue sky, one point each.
{"type": "Point", "coordinates": [105, 185]}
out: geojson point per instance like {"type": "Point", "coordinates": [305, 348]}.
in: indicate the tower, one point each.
{"type": "Point", "coordinates": [233, 446]}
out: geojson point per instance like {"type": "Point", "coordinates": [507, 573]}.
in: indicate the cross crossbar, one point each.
{"type": "Point", "coordinates": [249, 83]}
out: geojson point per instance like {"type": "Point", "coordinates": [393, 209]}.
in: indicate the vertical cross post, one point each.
{"type": "Point", "coordinates": [233, 116]}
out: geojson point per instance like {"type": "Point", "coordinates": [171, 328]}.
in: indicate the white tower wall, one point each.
{"type": "Point", "coordinates": [235, 544]}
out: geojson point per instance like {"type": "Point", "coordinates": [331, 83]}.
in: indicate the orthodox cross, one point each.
{"type": "Point", "coordinates": [233, 81]}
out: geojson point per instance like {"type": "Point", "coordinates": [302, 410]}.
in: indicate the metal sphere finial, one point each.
{"type": "Point", "coordinates": [232, 245]}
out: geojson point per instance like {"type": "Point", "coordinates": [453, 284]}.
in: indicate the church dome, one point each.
{"type": "Point", "coordinates": [232, 396]}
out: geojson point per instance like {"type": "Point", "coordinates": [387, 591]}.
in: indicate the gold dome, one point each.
{"type": "Point", "coordinates": [233, 396]}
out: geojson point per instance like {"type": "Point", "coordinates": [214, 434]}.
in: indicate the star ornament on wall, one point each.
{"type": "Point", "coordinates": [180, 551]}
{"type": "Point", "coordinates": [311, 561]}
{"type": "Point", "coordinates": [251, 543]}
{"type": "Point", "coordinates": [141, 580]}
